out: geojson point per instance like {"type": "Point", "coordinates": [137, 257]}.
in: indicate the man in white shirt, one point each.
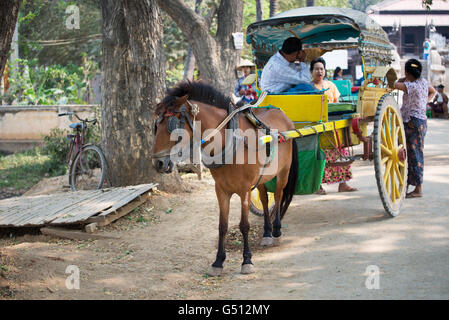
{"type": "Point", "coordinates": [281, 73]}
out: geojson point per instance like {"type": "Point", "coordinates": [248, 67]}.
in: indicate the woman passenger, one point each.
{"type": "Point", "coordinates": [332, 174]}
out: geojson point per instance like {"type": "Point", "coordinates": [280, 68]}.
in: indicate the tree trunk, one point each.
{"type": "Point", "coordinates": [273, 7]}
{"type": "Point", "coordinates": [189, 67]}
{"type": "Point", "coordinates": [259, 10]}
{"type": "Point", "coordinates": [216, 56]}
{"type": "Point", "coordinates": [310, 3]}
{"type": "Point", "coordinates": [133, 82]}
{"type": "Point", "coordinates": [8, 18]}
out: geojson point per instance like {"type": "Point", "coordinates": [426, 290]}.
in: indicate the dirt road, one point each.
{"type": "Point", "coordinates": [332, 247]}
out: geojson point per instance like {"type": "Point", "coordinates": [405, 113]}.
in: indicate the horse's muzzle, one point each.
{"type": "Point", "coordinates": [163, 165]}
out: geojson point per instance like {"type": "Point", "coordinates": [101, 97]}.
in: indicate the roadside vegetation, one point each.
{"type": "Point", "coordinates": [21, 170]}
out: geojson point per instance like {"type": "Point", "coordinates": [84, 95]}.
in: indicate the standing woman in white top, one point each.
{"type": "Point", "coordinates": [417, 93]}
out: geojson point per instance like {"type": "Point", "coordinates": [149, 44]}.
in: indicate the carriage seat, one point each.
{"type": "Point", "coordinates": [344, 87]}
{"type": "Point", "coordinates": [341, 108]}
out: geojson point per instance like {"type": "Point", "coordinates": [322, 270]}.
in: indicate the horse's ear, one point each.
{"type": "Point", "coordinates": [181, 100]}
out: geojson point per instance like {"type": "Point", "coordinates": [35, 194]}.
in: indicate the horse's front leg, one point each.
{"type": "Point", "coordinates": [223, 203]}
{"type": "Point", "coordinates": [247, 265]}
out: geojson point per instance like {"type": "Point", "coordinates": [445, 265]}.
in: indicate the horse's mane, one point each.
{"type": "Point", "coordinates": [198, 91]}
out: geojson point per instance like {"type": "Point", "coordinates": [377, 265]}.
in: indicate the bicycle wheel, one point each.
{"type": "Point", "coordinates": [88, 170]}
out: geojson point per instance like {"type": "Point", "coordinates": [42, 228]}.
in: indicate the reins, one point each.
{"type": "Point", "coordinates": [231, 115]}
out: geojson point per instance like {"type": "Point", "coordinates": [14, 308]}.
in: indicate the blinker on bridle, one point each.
{"type": "Point", "coordinates": [173, 123]}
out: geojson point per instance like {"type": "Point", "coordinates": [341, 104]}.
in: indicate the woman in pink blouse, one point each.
{"type": "Point", "coordinates": [417, 93]}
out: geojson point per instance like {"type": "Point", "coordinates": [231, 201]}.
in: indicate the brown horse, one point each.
{"type": "Point", "coordinates": [197, 101]}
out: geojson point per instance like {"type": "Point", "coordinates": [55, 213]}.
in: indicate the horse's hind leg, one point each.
{"type": "Point", "coordinates": [223, 202]}
{"type": "Point", "coordinates": [247, 265]}
{"type": "Point", "coordinates": [281, 181]}
{"type": "Point", "coordinates": [267, 240]}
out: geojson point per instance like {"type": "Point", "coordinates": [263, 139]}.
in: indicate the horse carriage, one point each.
{"type": "Point", "coordinates": [302, 124]}
{"type": "Point", "coordinates": [343, 124]}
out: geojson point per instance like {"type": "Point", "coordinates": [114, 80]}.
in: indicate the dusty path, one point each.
{"type": "Point", "coordinates": [328, 243]}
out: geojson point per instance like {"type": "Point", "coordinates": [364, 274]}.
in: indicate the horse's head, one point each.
{"type": "Point", "coordinates": [172, 131]}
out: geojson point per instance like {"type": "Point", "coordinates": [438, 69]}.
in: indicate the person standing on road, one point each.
{"type": "Point", "coordinates": [417, 93]}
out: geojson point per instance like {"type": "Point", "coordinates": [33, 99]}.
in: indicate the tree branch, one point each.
{"type": "Point", "coordinates": [187, 20]}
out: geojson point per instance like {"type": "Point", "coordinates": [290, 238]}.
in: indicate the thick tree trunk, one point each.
{"type": "Point", "coordinates": [216, 57]}
{"type": "Point", "coordinates": [8, 17]}
{"type": "Point", "coordinates": [133, 82]}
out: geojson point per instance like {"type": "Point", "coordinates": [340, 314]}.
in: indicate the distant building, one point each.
{"type": "Point", "coordinates": [408, 24]}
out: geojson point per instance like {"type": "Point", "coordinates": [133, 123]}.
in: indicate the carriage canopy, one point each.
{"type": "Point", "coordinates": [321, 29]}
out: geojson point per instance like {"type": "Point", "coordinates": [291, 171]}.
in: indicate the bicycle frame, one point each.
{"type": "Point", "coordinates": [76, 144]}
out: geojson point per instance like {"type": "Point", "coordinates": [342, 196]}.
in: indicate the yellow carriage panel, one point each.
{"type": "Point", "coordinates": [368, 100]}
{"type": "Point", "coordinates": [300, 108]}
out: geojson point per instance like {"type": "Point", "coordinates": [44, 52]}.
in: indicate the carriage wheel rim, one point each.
{"type": "Point", "coordinates": [392, 147]}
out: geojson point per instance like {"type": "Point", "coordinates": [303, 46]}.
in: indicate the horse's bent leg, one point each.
{"type": "Point", "coordinates": [223, 202]}
{"type": "Point", "coordinates": [267, 240]}
{"type": "Point", "coordinates": [247, 265]}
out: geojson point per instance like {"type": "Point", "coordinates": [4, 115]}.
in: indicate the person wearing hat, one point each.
{"type": "Point", "coordinates": [439, 103]}
{"type": "Point", "coordinates": [242, 89]}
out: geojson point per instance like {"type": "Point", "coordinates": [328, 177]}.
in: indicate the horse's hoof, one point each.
{"type": "Point", "coordinates": [277, 241]}
{"type": "Point", "coordinates": [247, 269]}
{"type": "Point", "coordinates": [266, 241]}
{"type": "Point", "coordinates": [214, 272]}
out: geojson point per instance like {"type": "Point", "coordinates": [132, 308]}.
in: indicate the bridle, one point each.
{"type": "Point", "coordinates": [174, 123]}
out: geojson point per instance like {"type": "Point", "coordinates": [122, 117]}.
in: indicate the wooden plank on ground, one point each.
{"type": "Point", "coordinates": [123, 210]}
{"type": "Point", "coordinates": [72, 207]}
{"type": "Point", "coordinates": [129, 194]}
{"type": "Point", "coordinates": [74, 234]}
{"type": "Point", "coordinates": [41, 206]}
{"type": "Point", "coordinates": [78, 211]}
{"type": "Point", "coordinates": [46, 214]}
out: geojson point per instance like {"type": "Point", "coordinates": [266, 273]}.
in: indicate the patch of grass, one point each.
{"type": "Point", "coordinates": [22, 170]}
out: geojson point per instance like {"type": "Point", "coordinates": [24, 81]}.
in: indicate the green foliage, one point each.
{"type": "Point", "coordinates": [42, 21]}
{"type": "Point", "coordinates": [24, 169]}
{"type": "Point", "coordinates": [34, 84]}
{"type": "Point", "coordinates": [56, 146]}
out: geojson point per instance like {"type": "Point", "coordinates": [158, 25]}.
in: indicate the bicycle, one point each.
{"type": "Point", "coordinates": [86, 161]}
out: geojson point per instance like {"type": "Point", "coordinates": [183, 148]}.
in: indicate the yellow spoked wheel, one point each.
{"type": "Point", "coordinates": [255, 205]}
{"type": "Point", "coordinates": [390, 163]}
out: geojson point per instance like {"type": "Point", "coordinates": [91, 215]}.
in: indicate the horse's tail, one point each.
{"type": "Point", "coordinates": [289, 189]}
